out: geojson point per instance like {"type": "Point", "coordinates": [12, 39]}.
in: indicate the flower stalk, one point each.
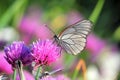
{"type": "Point", "coordinates": [38, 73]}
{"type": "Point", "coordinates": [97, 10]}
{"type": "Point", "coordinates": [14, 75]}
{"type": "Point", "coordinates": [20, 70]}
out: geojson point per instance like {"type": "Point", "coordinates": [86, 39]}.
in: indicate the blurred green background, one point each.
{"type": "Point", "coordinates": [21, 17]}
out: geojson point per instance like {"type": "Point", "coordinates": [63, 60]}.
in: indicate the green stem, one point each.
{"type": "Point", "coordinates": [97, 10]}
{"type": "Point", "coordinates": [75, 74]}
{"type": "Point", "coordinates": [18, 16]}
{"type": "Point", "coordinates": [21, 74]}
{"type": "Point", "coordinates": [38, 73]}
{"type": "Point", "coordinates": [20, 70]}
{"type": "Point", "coordinates": [7, 16]}
{"type": "Point", "coordinates": [69, 59]}
{"type": "Point", "coordinates": [14, 74]}
{"type": "Point", "coordinates": [116, 35]}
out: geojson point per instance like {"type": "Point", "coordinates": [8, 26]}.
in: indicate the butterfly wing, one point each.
{"type": "Point", "coordinates": [73, 38]}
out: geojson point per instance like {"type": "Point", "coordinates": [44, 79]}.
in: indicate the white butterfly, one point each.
{"type": "Point", "coordinates": [73, 38]}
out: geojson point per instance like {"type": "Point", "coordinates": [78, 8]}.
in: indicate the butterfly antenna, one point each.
{"type": "Point", "coordinates": [54, 36]}
{"type": "Point", "coordinates": [50, 29]}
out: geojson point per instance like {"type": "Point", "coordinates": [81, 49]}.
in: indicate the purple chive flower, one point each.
{"type": "Point", "coordinates": [45, 52]}
{"type": "Point", "coordinates": [18, 51]}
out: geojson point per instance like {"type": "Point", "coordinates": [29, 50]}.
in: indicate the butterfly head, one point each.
{"type": "Point", "coordinates": [55, 36]}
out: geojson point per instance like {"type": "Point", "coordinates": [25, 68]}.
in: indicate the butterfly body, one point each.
{"type": "Point", "coordinates": [56, 39]}
{"type": "Point", "coordinates": [59, 42]}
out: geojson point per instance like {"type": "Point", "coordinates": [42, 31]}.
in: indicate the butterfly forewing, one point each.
{"type": "Point", "coordinates": [73, 38]}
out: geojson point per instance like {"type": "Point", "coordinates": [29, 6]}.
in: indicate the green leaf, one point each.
{"type": "Point", "coordinates": [10, 12]}
{"type": "Point", "coordinates": [97, 10]}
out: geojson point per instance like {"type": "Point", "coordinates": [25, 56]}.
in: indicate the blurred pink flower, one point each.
{"type": "Point", "coordinates": [48, 78]}
{"type": "Point", "coordinates": [45, 52]}
{"type": "Point", "coordinates": [28, 76]}
{"type": "Point", "coordinates": [32, 27]}
{"type": "Point", "coordinates": [59, 77]}
{"type": "Point", "coordinates": [95, 44]}
{"type": "Point", "coordinates": [43, 32]}
{"type": "Point", "coordinates": [59, 63]}
{"type": "Point", "coordinates": [62, 77]}
{"type": "Point", "coordinates": [27, 28]}
{"type": "Point", "coordinates": [28, 24]}
{"type": "Point", "coordinates": [5, 67]}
